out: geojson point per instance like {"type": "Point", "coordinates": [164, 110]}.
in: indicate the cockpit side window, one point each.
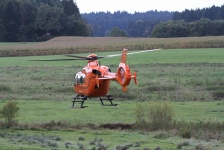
{"type": "Point", "coordinates": [80, 78]}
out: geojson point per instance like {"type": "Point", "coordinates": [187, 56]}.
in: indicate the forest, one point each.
{"type": "Point", "coordinates": [136, 25]}
{"type": "Point", "coordinates": [212, 13]}
{"type": "Point", "coordinates": [180, 28]}
{"type": "Point", "coordinates": [161, 24]}
{"type": "Point", "coordinates": [41, 20]}
{"type": "Point", "coordinates": [191, 23]}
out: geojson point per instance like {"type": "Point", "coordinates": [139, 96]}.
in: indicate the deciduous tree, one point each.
{"type": "Point", "coordinates": [48, 19]}
{"type": "Point", "coordinates": [9, 111]}
{"type": "Point", "coordinates": [117, 32]}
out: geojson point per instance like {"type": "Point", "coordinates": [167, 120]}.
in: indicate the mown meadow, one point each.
{"type": "Point", "coordinates": [189, 80]}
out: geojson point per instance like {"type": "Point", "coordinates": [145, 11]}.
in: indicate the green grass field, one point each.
{"type": "Point", "coordinates": [43, 111]}
{"type": "Point", "coordinates": [191, 80]}
{"type": "Point", "coordinates": [206, 55]}
{"type": "Point", "coordinates": [39, 112]}
{"type": "Point", "coordinates": [174, 75]}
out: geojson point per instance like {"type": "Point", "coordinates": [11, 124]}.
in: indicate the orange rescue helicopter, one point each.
{"type": "Point", "coordinates": [94, 79]}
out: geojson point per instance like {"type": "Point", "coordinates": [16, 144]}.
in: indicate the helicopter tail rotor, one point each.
{"type": "Point", "coordinates": [124, 76]}
{"type": "Point", "coordinates": [123, 73]}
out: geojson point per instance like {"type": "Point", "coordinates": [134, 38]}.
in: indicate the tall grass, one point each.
{"type": "Point", "coordinates": [154, 116]}
{"type": "Point", "coordinates": [160, 116]}
{"type": "Point", "coordinates": [5, 88]}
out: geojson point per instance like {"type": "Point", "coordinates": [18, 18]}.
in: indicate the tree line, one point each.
{"type": "Point", "coordinates": [211, 13]}
{"type": "Point", "coordinates": [199, 22]}
{"type": "Point", "coordinates": [135, 25]}
{"type": "Point", "coordinates": [38, 20]}
{"type": "Point", "coordinates": [181, 28]}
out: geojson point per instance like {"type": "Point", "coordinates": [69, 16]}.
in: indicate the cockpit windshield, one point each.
{"type": "Point", "coordinates": [80, 78]}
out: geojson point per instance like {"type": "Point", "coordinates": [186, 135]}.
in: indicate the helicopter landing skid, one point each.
{"type": "Point", "coordinates": [80, 99]}
{"type": "Point", "coordinates": [109, 98]}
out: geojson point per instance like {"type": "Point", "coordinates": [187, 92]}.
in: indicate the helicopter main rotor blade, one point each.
{"type": "Point", "coordinates": [85, 58]}
{"type": "Point", "coordinates": [75, 57]}
{"type": "Point", "coordinates": [54, 59]}
{"type": "Point", "coordinates": [108, 56]}
{"type": "Point", "coordinates": [80, 57]}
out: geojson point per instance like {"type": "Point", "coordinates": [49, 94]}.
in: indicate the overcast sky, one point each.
{"type": "Point", "coordinates": [131, 6]}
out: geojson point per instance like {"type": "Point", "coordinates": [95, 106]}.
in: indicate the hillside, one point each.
{"type": "Point", "coordinates": [136, 25]}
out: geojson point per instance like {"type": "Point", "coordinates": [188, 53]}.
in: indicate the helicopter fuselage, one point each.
{"type": "Point", "coordinates": [89, 82]}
